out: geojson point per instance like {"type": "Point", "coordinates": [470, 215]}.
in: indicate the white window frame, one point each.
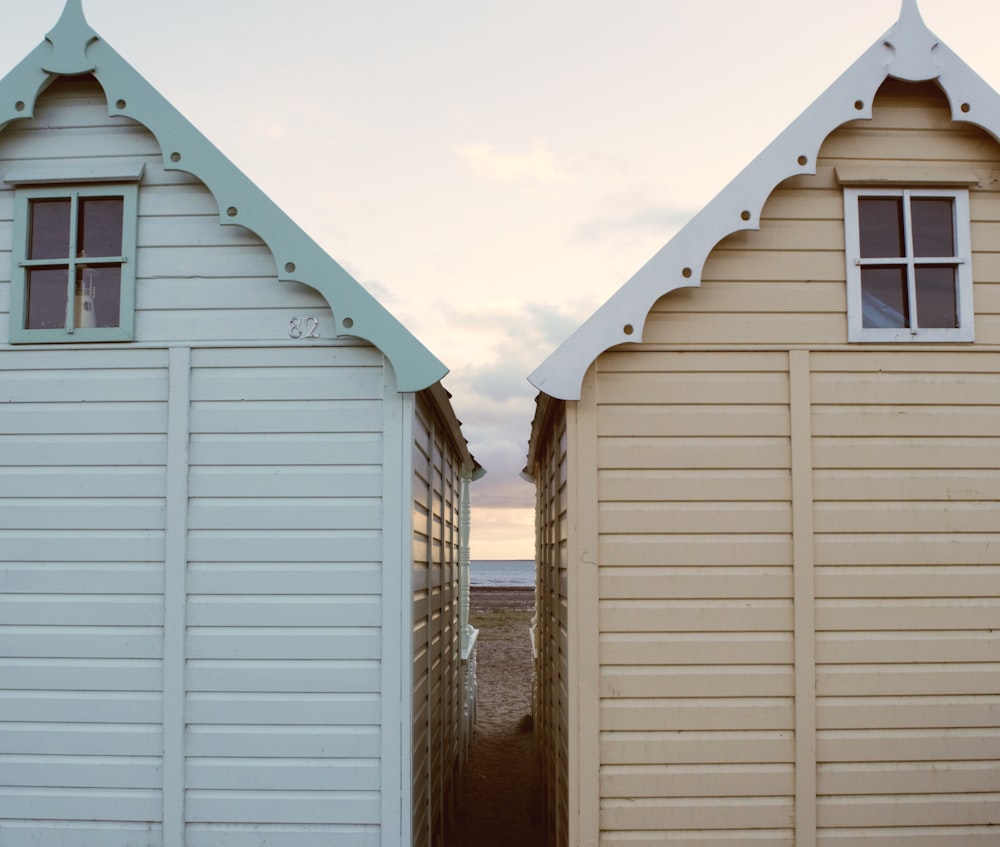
{"type": "Point", "coordinates": [962, 262]}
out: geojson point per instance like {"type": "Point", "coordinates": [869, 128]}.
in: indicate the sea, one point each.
{"type": "Point", "coordinates": [502, 573]}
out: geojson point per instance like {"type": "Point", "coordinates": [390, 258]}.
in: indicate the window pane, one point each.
{"type": "Point", "coordinates": [883, 297]}
{"type": "Point", "coordinates": [933, 227]}
{"type": "Point", "coordinates": [881, 222]}
{"type": "Point", "coordinates": [936, 301]}
{"type": "Point", "coordinates": [47, 298]}
{"type": "Point", "coordinates": [101, 226]}
{"type": "Point", "coordinates": [49, 238]}
{"type": "Point", "coordinates": [98, 296]}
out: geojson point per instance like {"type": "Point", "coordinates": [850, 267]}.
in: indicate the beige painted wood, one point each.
{"type": "Point", "coordinates": [912, 454]}
{"type": "Point", "coordinates": [690, 484]}
{"type": "Point", "coordinates": [695, 452]}
{"type": "Point", "coordinates": [695, 781]}
{"type": "Point", "coordinates": [646, 682]}
{"type": "Point", "coordinates": [695, 582]}
{"type": "Point", "coordinates": [804, 596]}
{"type": "Point", "coordinates": [585, 822]}
{"type": "Point", "coordinates": [895, 647]}
{"type": "Point", "coordinates": [739, 649]}
{"type": "Point", "coordinates": [550, 699]}
{"type": "Point", "coordinates": [731, 549]}
{"type": "Point", "coordinates": [644, 360]}
{"type": "Point", "coordinates": [694, 518]}
{"type": "Point", "coordinates": [964, 711]}
{"type": "Point", "coordinates": [925, 581]}
{"type": "Point", "coordinates": [687, 813]}
{"type": "Point", "coordinates": [696, 615]}
{"type": "Point", "coordinates": [718, 838]}
{"type": "Point", "coordinates": [908, 486]}
{"type": "Point", "coordinates": [799, 538]}
{"type": "Point", "coordinates": [709, 747]}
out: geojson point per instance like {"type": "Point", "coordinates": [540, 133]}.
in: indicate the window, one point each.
{"type": "Point", "coordinates": [909, 274]}
{"type": "Point", "coordinates": [73, 276]}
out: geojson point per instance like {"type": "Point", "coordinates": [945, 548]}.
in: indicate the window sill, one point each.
{"type": "Point", "coordinates": [79, 336]}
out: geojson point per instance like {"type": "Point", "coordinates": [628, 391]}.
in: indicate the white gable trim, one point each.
{"type": "Point", "coordinates": [72, 47]}
{"type": "Point", "coordinates": [909, 51]}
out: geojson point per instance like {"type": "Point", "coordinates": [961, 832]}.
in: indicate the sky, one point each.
{"type": "Point", "coordinates": [493, 170]}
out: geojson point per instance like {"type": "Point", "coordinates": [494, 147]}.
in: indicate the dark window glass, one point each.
{"type": "Point", "coordinates": [883, 297]}
{"type": "Point", "coordinates": [933, 227]}
{"type": "Point", "coordinates": [936, 302]}
{"type": "Point", "coordinates": [881, 222]}
{"type": "Point", "coordinates": [49, 238]}
{"type": "Point", "coordinates": [101, 226]}
{"type": "Point", "coordinates": [97, 290]}
{"type": "Point", "coordinates": [47, 298]}
{"type": "Point", "coordinates": [98, 296]}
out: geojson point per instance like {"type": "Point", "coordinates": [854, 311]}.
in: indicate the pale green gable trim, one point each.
{"type": "Point", "coordinates": [72, 47]}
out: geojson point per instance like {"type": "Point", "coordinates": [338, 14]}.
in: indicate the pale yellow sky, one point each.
{"type": "Point", "coordinates": [493, 170]}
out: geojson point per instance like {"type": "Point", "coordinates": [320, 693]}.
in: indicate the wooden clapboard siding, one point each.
{"type": "Point", "coordinates": [81, 614]}
{"type": "Point", "coordinates": [195, 280]}
{"type": "Point", "coordinates": [908, 594]}
{"type": "Point", "coordinates": [436, 646]}
{"type": "Point", "coordinates": [799, 578]}
{"type": "Point", "coordinates": [274, 723]}
{"type": "Point", "coordinates": [283, 702]}
{"type": "Point", "coordinates": [784, 284]}
{"type": "Point", "coordinates": [695, 545]}
{"type": "Point", "coordinates": [202, 544]}
{"type": "Point", "coordinates": [550, 693]}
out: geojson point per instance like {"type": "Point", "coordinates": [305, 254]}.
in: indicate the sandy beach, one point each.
{"type": "Point", "coordinates": [498, 804]}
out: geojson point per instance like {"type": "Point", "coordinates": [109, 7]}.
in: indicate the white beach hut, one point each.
{"type": "Point", "coordinates": [768, 487]}
{"type": "Point", "coordinates": [233, 499]}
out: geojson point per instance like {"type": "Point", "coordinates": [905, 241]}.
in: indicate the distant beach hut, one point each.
{"type": "Point", "coordinates": [767, 490]}
{"type": "Point", "coordinates": [235, 499]}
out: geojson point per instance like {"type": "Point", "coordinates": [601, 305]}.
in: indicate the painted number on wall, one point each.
{"type": "Point", "coordinates": [304, 327]}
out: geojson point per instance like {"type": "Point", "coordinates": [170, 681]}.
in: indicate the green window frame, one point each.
{"type": "Point", "coordinates": [61, 291]}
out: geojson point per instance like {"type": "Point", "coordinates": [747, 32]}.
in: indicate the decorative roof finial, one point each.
{"type": "Point", "coordinates": [70, 38]}
{"type": "Point", "coordinates": [913, 45]}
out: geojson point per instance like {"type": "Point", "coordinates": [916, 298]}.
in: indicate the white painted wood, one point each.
{"type": "Point", "coordinates": [175, 596]}
{"type": "Point", "coordinates": [271, 741]}
{"type": "Point", "coordinates": [395, 776]}
{"type": "Point", "coordinates": [298, 708]}
{"type": "Point", "coordinates": [207, 545]}
{"type": "Point", "coordinates": [312, 835]}
{"type": "Point", "coordinates": [435, 492]}
{"type": "Point", "coordinates": [255, 637]}
{"type": "Point", "coordinates": [81, 626]}
{"type": "Point", "coordinates": [83, 833]}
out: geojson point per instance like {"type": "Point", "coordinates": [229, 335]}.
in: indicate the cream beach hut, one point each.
{"type": "Point", "coordinates": [233, 499]}
{"type": "Point", "coordinates": [768, 490]}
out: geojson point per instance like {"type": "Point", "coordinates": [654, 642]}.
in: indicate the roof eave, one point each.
{"type": "Point", "coordinates": [72, 47]}
{"type": "Point", "coordinates": [908, 51]}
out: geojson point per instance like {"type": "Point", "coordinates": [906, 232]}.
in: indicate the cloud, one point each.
{"type": "Point", "coordinates": [536, 166]}
{"type": "Point", "coordinates": [492, 395]}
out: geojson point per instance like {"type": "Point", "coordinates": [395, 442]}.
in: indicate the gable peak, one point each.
{"type": "Point", "coordinates": [70, 38]}
{"type": "Point", "coordinates": [913, 46]}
